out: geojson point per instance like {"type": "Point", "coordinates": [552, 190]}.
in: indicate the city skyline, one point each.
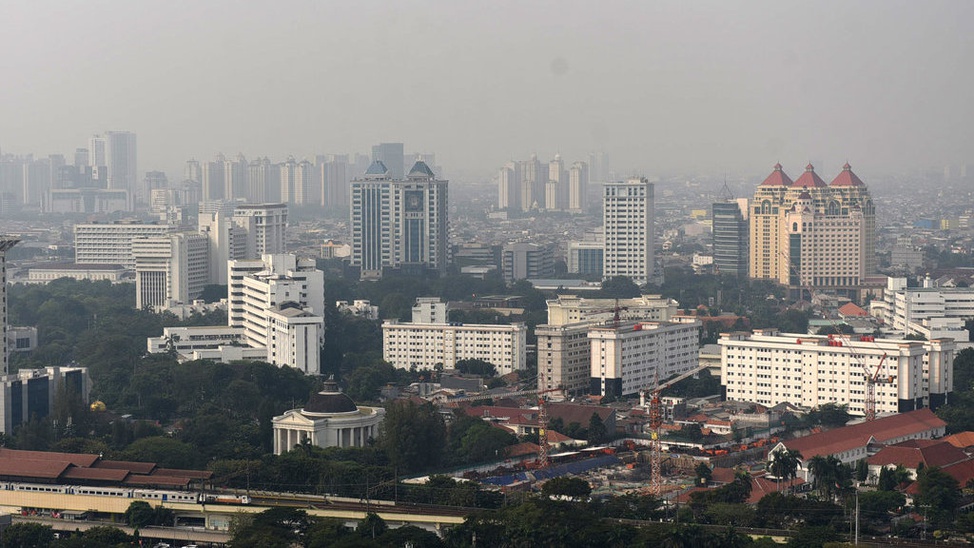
{"type": "Point", "coordinates": [662, 88]}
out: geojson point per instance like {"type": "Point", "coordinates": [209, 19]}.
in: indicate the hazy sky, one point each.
{"type": "Point", "coordinates": [681, 86]}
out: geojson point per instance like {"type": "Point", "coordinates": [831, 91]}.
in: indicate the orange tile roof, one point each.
{"type": "Point", "coordinates": [143, 468]}
{"type": "Point", "coordinates": [843, 439]}
{"type": "Point", "coordinates": [77, 459]}
{"type": "Point", "coordinates": [961, 439]}
{"type": "Point", "coordinates": [26, 468]}
{"type": "Point", "coordinates": [911, 453]}
{"type": "Point", "coordinates": [98, 474]}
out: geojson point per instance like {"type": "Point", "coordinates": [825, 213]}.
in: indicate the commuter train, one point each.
{"type": "Point", "coordinates": [122, 492]}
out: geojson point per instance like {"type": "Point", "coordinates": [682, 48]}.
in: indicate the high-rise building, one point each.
{"type": "Point", "coordinates": [335, 178]}
{"type": "Point", "coordinates": [628, 217]}
{"type": "Point", "coordinates": [730, 237]}
{"type": "Point", "coordinates": [289, 178]}
{"type": "Point", "coordinates": [264, 227]}
{"type": "Point", "coordinates": [154, 180]}
{"type": "Point", "coordinates": [215, 179]}
{"type": "Point", "coordinates": [532, 179]}
{"type": "Point", "coordinates": [630, 357]}
{"type": "Point", "coordinates": [391, 155]}
{"type": "Point", "coordinates": [235, 173]}
{"type": "Point", "coordinates": [279, 300]}
{"type": "Point", "coordinates": [556, 188]}
{"type": "Point", "coordinates": [509, 187]}
{"type": "Point", "coordinates": [598, 164]}
{"type": "Point", "coordinates": [400, 224]}
{"type": "Point", "coordinates": [577, 187]}
{"type": "Point", "coordinates": [117, 151]}
{"type": "Point", "coordinates": [5, 245]}
{"type": "Point", "coordinates": [193, 171]}
{"type": "Point", "coordinates": [171, 268]}
{"type": "Point", "coordinates": [813, 235]}
{"type": "Point", "coordinates": [263, 180]}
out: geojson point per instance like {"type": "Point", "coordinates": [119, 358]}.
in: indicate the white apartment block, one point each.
{"type": "Point", "coordinates": [927, 310]}
{"type": "Point", "coordinates": [564, 354]}
{"type": "Point", "coordinates": [295, 337]}
{"type": "Point", "coordinates": [769, 368]}
{"type": "Point", "coordinates": [628, 217]}
{"type": "Point", "coordinates": [630, 357]}
{"type": "Point", "coordinates": [257, 286]}
{"type": "Point", "coordinates": [265, 227]}
{"type": "Point", "coordinates": [169, 269]}
{"type": "Point", "coordinates": [112, 243]}
{"type": "Point", "coordinates": [424, 344]}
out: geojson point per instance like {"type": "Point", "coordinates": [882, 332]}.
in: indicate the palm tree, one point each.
{"type": "Point", "coordinates": [785, 464]}
{"type": "Point", "coordinates": [827, 473]}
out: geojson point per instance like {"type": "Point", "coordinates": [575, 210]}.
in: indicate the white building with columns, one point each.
{"type": "Point", "coordinates": [329, 419]}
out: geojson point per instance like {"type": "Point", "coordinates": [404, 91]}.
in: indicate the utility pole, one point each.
{"type": "Point", "coordinates": [857, 516]}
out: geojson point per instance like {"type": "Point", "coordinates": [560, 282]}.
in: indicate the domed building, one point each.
{"type": "Point", "coordinates": [329, 419]}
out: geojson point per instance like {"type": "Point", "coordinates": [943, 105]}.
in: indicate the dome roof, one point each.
{"type": "Point", "coordinates": [330, 400]}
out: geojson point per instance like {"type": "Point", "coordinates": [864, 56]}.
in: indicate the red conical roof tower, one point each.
{"type": "Point", "coordinates": [809, 179]}
{"type": "Point", "coordinates": [847, 177]}
{"type": "Point", "coordinates": [777, 178]}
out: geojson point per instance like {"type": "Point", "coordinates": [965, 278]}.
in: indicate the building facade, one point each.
{"type": "Point", "coordinates": [523, 260]}
{"type": "Point", "coordinates": [31, 393]}
{"type": "Point", "coordinates": [5, 245]}
{"type": "Point", "coordinates": [809, 234]}
{"type": "Point", "coordinates": [429, 341]}
{"type": "Point", "coordinates": [264, 227]}
{"type": "Point", "coordinates": [98, 243]}
{"type": "Point", "coordinates": [398, 224]}
{"type": "Point", "coordinates": [730, 237]}
{"type": "Point", "coordinates": [628, 216]}
{"type": "Point", "coordinates": [634, 356]}
{"type": "Point", "coordinates": [169, 269]}
{"type": "Point", "coordinates": [914, 310]}
{"type": "Point", "coordinates": [769, 367]}
{"type": "Point", "coordinates": [329, 419]}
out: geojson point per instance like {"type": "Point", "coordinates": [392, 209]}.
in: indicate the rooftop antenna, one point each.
{"type": "Point", "coordinates": [726, 191]}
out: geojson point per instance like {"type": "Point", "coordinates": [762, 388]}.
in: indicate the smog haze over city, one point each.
{"type": "Point", "coordinates": [664, 87]}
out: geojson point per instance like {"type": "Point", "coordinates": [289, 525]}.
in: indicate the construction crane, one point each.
{"type": "Point", "coordinates": [871, 377]}
{"type": "Point", "coordinates": [543, 457]}
{"type": "Point", "coordinates": [655, 422]}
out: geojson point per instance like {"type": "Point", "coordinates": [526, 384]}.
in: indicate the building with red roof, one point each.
{"type": "Point", "coordinates": [862, 440]}
{"type": "Point", "coordinates": [86, 469]}
{"type": "Point", "coordinates": [913, 454]}
{"type": "Point", "coordinates": [807, 233]}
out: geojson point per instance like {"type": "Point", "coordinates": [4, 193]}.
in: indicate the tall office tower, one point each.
{"type": "Point", "coordinates": [730, 237]}
{"type": "Point", "coordinates": [391, 155]}
{"type": "Point", "coordinates": [288, 178]}
{"type": "Point", "coordinates": [214, 179]}
{"type": "Point", "coordinates": [306, 189]}
{"type": "Point", "coordinates": [98, 151]}
{"type": "Point", "coordinates": [556, 189]}
{"type": "Point", "coordinates": [81, 157]}
{"type": "Point", "coordinates": [235, 176]}
{"type": "Point", "coordinates": [117, 151]}
{"type": "Point", "coordinates": [265, 228]}
{"type": "Point", "coordinates": [334, 181]}
{"type": "Point", "coordinates": [532, 180]}
{"type": "Point", "coordinates": [398, 224]}
{"type": "Point", "coordinates": [809, 234]}
{"type": "Point", "coordinates": [36, 180]}
{"type": "Point", "coordinates": [509, 187]}
{"type": "Point", "coordinates": [56, 161]}
{"type": "Point", "coordinates": [193, 171]}
{"type": "Point", "coordinates": [577, 187]}
{"type": "Point", "coordinates": [279, 300]}
{"type": "Point", "coordinates": [5, 245]}
{"type": "Point", "coordinates": [172, 268]}
{"type": "Point", "coordinates": [154, 180]}
{"type": "Point", "coordinates": [98, 243]}
{"type": "Point", "coordinates": [627, 211]}
{"type": "Point", "coordinates": [598, 165]}
{"type": "Point", "coordinates": [263, 180]}
{"type": "Point", "coordinates": [228, 241]}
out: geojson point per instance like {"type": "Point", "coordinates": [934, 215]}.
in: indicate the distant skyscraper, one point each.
{"type": "Point", "coordinates": [235, 173]}
{"type": "Point", "coordinates": [391, 155]}
{"type": "Point", "coordinates": [118, 152]}
{"type": "Point", "coordinates": [289, 177]}
{"type": "Point", "coordinates": [598, 165]}
{"type": "Point", "coordinates": [556, 188]}
{"type": "Point", "coordinates": [81, 157]}
{"type": "Point", "coordinates": [628, 214]}
{"type": "Point", "coordinates": [577, 187]}
{"type": "Point", "coordinates": [214, 179]}
{"type": "Point", "coordinates": [532, 180]}
{"type": "Point", "coordinates": [730, 237]}
{"type": "Point", "coordinates": [306, 189]}
{"type": "Point", "coordinates": [154, 180]}
{"type": "Point", "coordinates": [509, 187]}
{"type": "Point", "coordinates": [5, 245]}
{"type": "Point", "coordinates": [808, 233]}
{"type": "Point", "coordinates": [263, 181]}
{"type": "Point", "coordinates": [335, 179]}
{"type": "Point", "coordinates": [398, 223]}
{"type": "Point", "coordinates": [193, 171]}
